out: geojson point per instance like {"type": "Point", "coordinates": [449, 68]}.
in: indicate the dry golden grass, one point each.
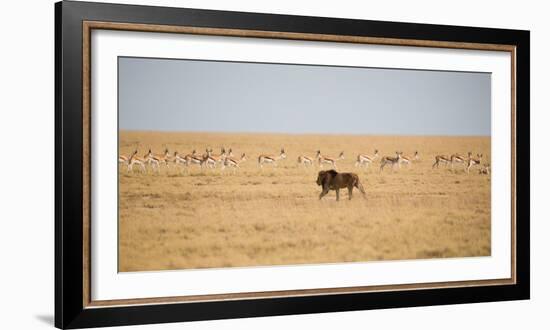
{"type": "Point", "coordinates": [272, 216]}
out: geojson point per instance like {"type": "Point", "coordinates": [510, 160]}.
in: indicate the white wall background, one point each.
{"type": "Point", "coordinates": [27, 169]}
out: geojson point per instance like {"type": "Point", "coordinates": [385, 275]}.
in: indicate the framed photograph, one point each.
{"type": "Point", "coordinates": [216, 164]}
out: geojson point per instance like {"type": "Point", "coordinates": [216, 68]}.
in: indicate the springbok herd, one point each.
{"type": "Point", "coordinates": [209, 160]}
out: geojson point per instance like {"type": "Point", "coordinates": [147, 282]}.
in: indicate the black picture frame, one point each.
{"type": "Point", "coordinates": [70, 310]}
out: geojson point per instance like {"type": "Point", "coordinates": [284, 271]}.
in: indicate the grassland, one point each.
{"type": "Point", "coordinates": [272, 216]}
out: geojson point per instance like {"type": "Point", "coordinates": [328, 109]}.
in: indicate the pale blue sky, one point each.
{"type": "Point", "coordinates": [188, 95]}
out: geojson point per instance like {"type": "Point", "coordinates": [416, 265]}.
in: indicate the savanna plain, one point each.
{"type": "Point", "coordinates": [183, 218]}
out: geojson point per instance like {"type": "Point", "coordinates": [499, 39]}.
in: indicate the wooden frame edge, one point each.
{"type": "Point", "coordinates": [513, 182]}
{"type": "Point", "coordinates": [138, 27]}
{"type": "Point", "coordinates": [86, 163]}
{"type": "Point", "coordinates": [294, 293]}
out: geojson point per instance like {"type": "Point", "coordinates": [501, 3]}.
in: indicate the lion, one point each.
{"type": "Point", "coordinates": [332, 180]}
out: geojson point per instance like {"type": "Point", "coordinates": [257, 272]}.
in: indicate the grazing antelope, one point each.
{"type": "Point", "coordinates": [305, 160]}
{"type": "Point", "coordinates": [366, 159]}
{"type": "Point", "coordinates": [234, 163]}
{"type": "Point", "coordinates": [122, 159]}
{"type": "Point", "coordinates": [328, 160]}
{"type": "Point", "coordinates": [164, 158]}
{"type": "Point", "coordinates": [193, 159]}
{"type": "Point", "coordinates": [205, 154]}
{"type": "Point", "coordinates": [474, 161]}
{"type": "Point", "coordinates": [136, 160]}
{"type": "Point", "coordinates": [153, 160]}
{"type": "Point", "coordinates": [158, 159]}
{"type": "Point", "coordinates": [391, 161]}
{"type": "Point", "coordinates": [408, 159]}
{"type": "Point", "coordinates": [211, 160]}
{"type": "Point", "coordinates": [222, 154]}
{"type": "Point", "coordinates": [485, 169]}
{"type": "Point", "coordinates": [179, 160]}
{"type": "Point", "coordinates": [457, 158]}
{"type": "Point", "coordinates": [440, 159]}
{"type": "Point", "coordinates": [270, 159]}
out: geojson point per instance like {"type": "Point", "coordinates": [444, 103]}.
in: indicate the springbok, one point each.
{"type": "Point", "coordinates": [164, 158]}
{"type": "Point", "coordinates": [232, 162]}
{"type": "Point", "coordinates": [328, 160]}
{"type": "Point", "coordinates": [305, 160]}
{"type": "Point", "coordinates": [366, 160]}
{"type": "Point", "coordinates": [409, 159]}
{"type": "Point", "coordinates": [193, 159]}
{"type": "Point", "coordinates": [270, 159]}
{"type": "Point", "coordinates": [136, 160]}
{"type": "Point", "coordinates": [122, 159]}
{"type": "Point", "coordinates": [485, 169]}
{"type": "Point", "coordinates": [152, 160]}
{"type": "Point", "coordinates": [211, 160]}
{"type": "Point", "coordinates": [474, 161]}
{"type": "Point", "coordinates": [179, 160]}
{"type": "Point", "coordinates": [440, 159]}
{"type": "Point", "coordinates": [458, 158]}
{"type": "Point", "coordinates": [156, 160]}
{"type": "Point", "coordinates": [391, 161]}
